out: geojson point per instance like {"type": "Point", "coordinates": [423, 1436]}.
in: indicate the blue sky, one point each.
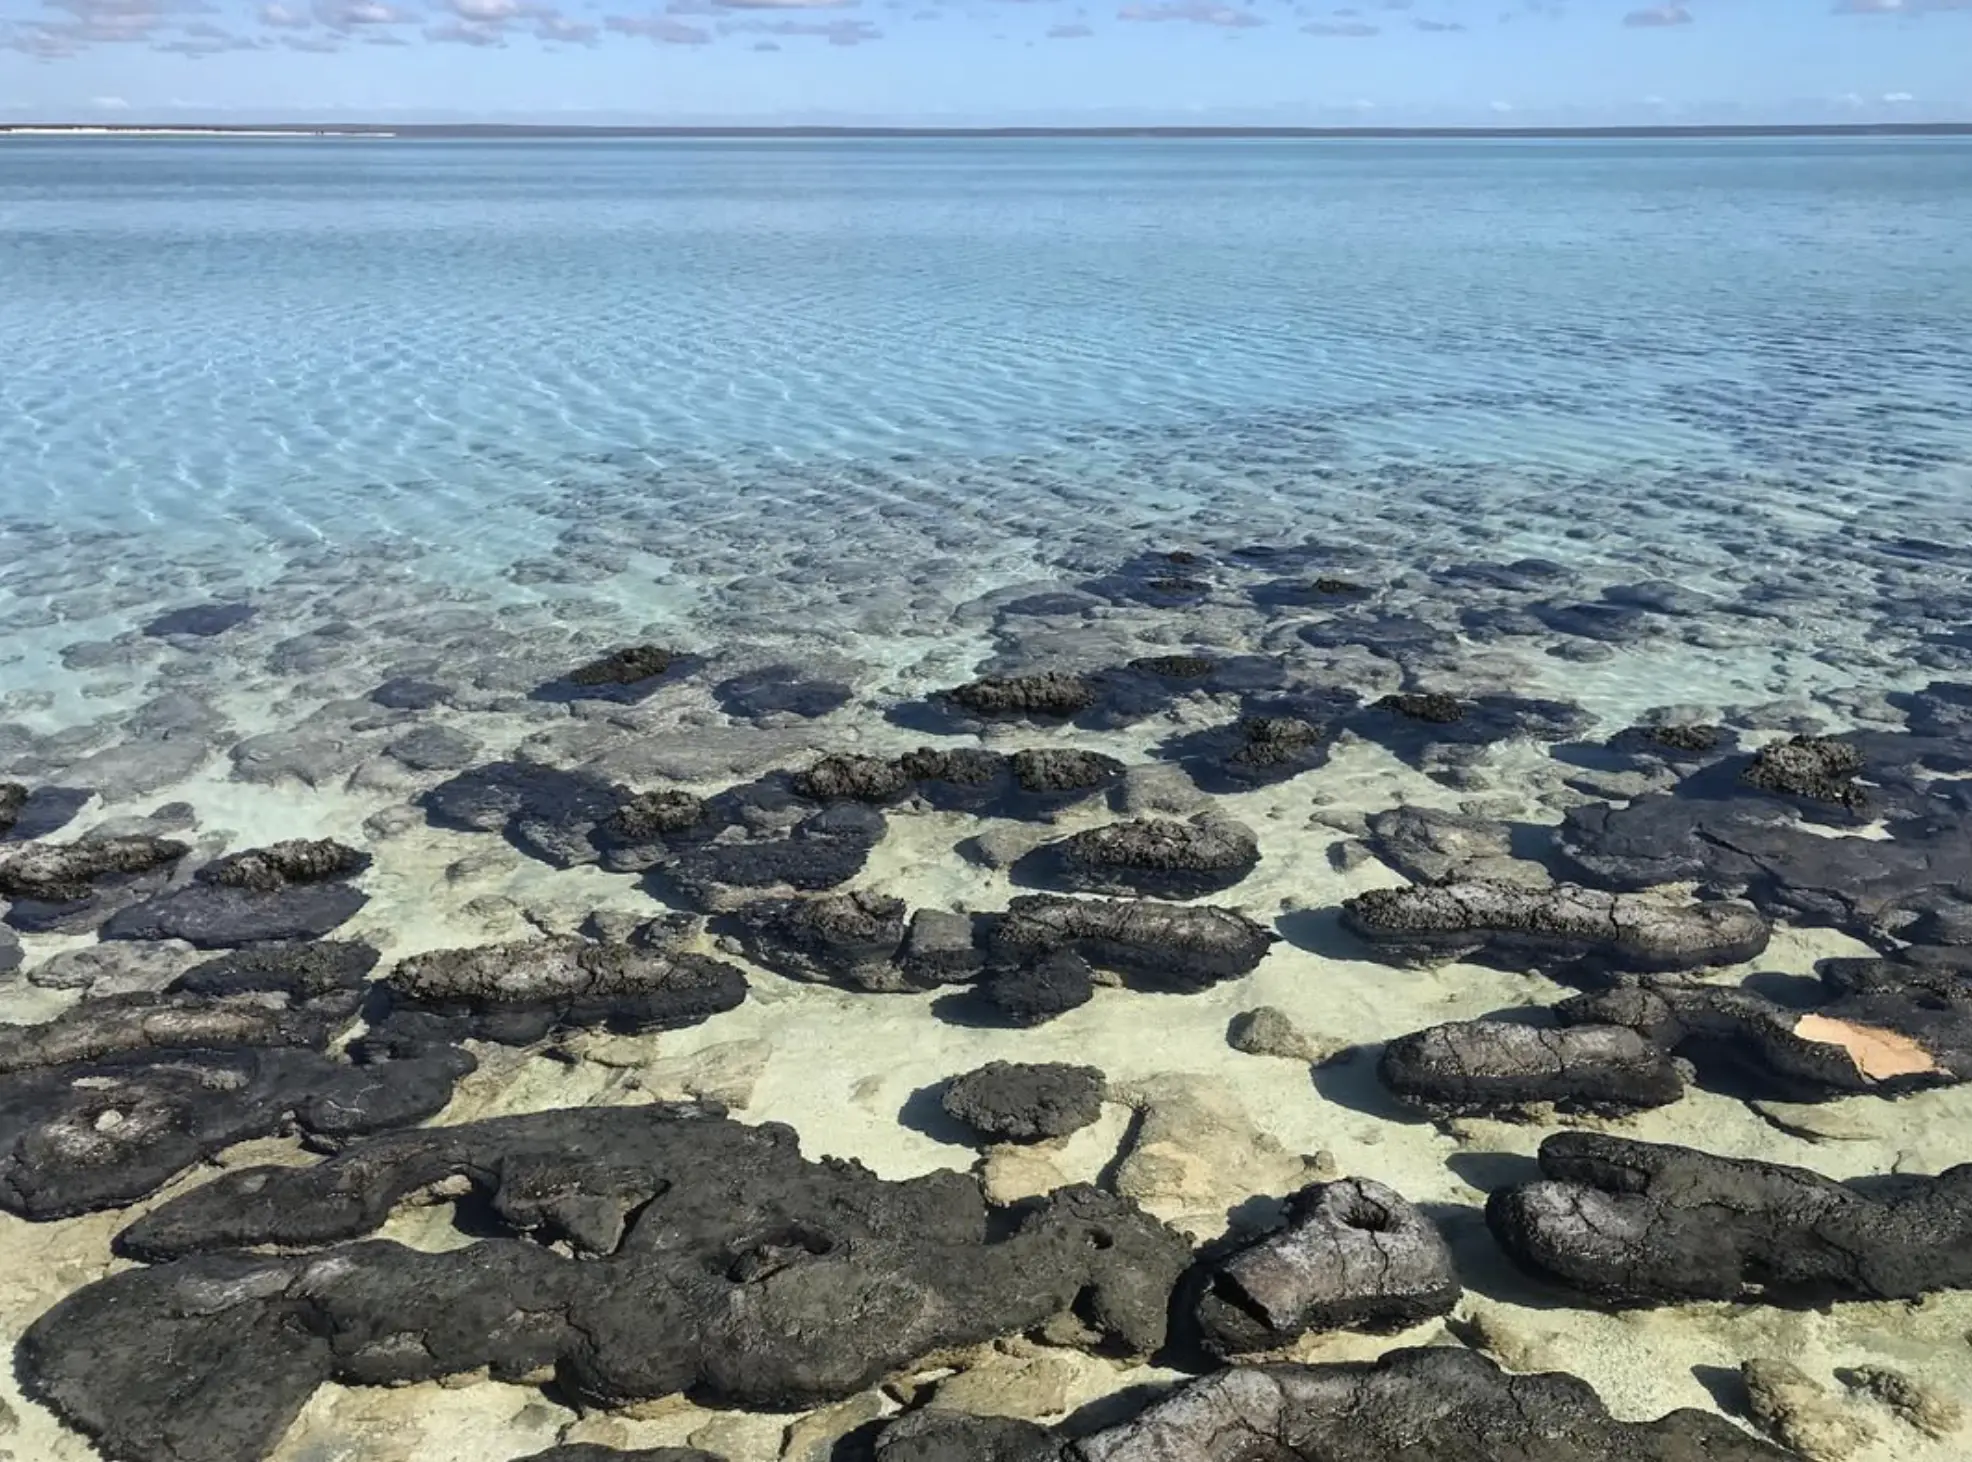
{"type": "Point", "coordinates": [967, 62]}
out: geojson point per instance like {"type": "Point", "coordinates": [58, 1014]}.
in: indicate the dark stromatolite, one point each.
{"type": "Point", "coordinates": [1818, 768]}
{"type": "Point", "coordinates": [847, 939]}
{"type": "Point", "coordinates": [546, 812]}
{"type": "Point", "coordinates": [1181, 947]}
{"type": "Point", "coordinates": [1156, 857]}
{"type": "Point", "coordinates": [71, 888]}
{"type": "Point", "coordinates": [1884, 1026]}
{"type": "Point", "coordinates": [518, 993]}
{"type": "Point", "coordinates": [1536, 928]}
{"type": "Point", "coordinates": [1436, 1404]}
{"type": "Point", "coordinates": [627, 666]}
{"type": "Point", "coordinates": [288, 892]}
{"type": "Point", "coordinates": [1038, 989]}
{"type": "Point", "coordinates": [1051, 695]}
{"type": "Point", "coordinates": [1025, 1102]}
{"type": "Point", "coordinates": [1635, 1223]}
{"type": "Point", "coordinates": [200, 621]}
{"type": "Point", "coordinates": [821, 851]}
{"type": "Point", "coordinates": [720, 1262]}
{"type": "Point", "coordinates": [1352, 1254]}
{"type": "Point", "coordinates": [1498, 1067]}
{"type": "Point", "coordinates": [13, 798]}
{"type": "Point", "coordinates": [1433, 707]}
{"type": "Point", "coordinates": [282, 865]}
{"type": "Point", "coordinates": [1026, 783]}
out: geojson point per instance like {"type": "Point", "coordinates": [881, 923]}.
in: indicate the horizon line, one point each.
{"type": "Point", "coordinates": [467, 130]}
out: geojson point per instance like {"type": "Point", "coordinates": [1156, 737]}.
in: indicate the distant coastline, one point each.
{"type": "Point", "coordinates": [494, 131]}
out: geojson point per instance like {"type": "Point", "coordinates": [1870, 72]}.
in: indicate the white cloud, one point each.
{"type": "Point", "coordinates": [109, 103]}
{"type": "Point", "coordinates": [1898, 98]}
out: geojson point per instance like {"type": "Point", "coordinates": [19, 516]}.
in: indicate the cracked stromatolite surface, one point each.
{"type": "Point", "coordinates": [1636, 1223]}
{"type": "Point", "coordinates": [1353, 1254]}
{"type": "Point", "coordinates": [1496, 1067]}
{"type": "Point", "coordinates": [286, 891]}
{"type": "Point", "coordinates": [1155, 857]}
{"type": "Point", "coordinates": [846, 939]}
{"type": "Point", "coordinates": [1024, 1102]}
{"type": "Point", "coordinates": [1422, 1405]}
{"type": "Point", "coordinates": [518, 993]}
{"type": "Point", "coordinates": [722, 1264]}
{"type": "Point", "coordinates": [1183, 947]}
{"type": "Point", "coordinates": [72, 888]}
{"type": "Point", "coordinates": [1565, 925]}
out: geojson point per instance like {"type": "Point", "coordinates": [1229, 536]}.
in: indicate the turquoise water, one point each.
{"type": "Point", "coordinates": [658, 370]}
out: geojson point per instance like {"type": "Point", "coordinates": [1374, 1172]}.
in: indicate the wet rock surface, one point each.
{"type": "Point", "coordinates": [852, 939]}
{"type": "Point", "coordinates": [720, 1262]}
{"type": "Point", "coordinates": [1498, 1067]}
{"type": "Point", "coordinates": [1882, 1026]}
{"type": "Point", "coordinates": [519, 993]}
{"type": "Point", "coordinates": [1021, 1102]}
{"type": "Point", "coordinates": [1156, 857]}
{"type": "Point", "coordinates": [1423, 1405]}
{"type": "Point", "coordinates": [1636, 1223]}
{"type": "Point", "coordinates": [13, 800]}
{"type": "Point", "coordinates": [1545, 928]}
{"type": "Point", "coordinates": [286, 891]}
{"type": "Point", "coordinates": [1179, 947]}
{"type": "Point", "coordinates": [1818, 768]}
{"type": "Point", "coordinates": [201, 621]}
{"type": "Point", "coordinates": [72, 888]}
{"type": "Point", "coordinates": [1352, 1254]}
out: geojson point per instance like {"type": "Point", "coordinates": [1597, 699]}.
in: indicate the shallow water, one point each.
{"type": "Point", "coordinates": [225, 356]}
{"type": "Point", "coordinates": [898, 413]}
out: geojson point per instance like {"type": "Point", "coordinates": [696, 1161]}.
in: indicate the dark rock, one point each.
{"type": "Point", "coordinates": [519, 993]}
{"type": "Point", "coordinates": [1612, 623]}
{"type": "Point", "coordinates": [1635, 1223]}
{"type": "Point", "coordinates": [71, 888]}
{"type": "Point", "coordinates": [1433, 707]}
{"type": "Point", "coordinates": [1883, 1027]}
{"type": "Point", "coordinates": [119, 1024]}
{"type": "Point", "coordinates": [1273, 741]}
{"type": "Point", "coordinates": [1497, 1067]}
{"type": "Point", "coordinates": [281, 865]}
{"type": "Point", "coordinates": [1037, 991]}
{"type": "Point", "coordinates": [1565, 925]}
{"type": "Point", "coordinates": [859, 778]}
{"type": "Point", "coordinates": [719, 1262]}
{"type": "Point", "coordinates": [221, 916]}
{"type": "Point", "coordinates": [1152, 856]}
{"type": "Point", "coordinates": [13, 798]}
{"type": "Point", "coordinates": [105, 1133]}
{"type": "Point", "coordinates": [624, 667]}
{"type": "Point", "coordinates": [202, 620]}
{"type": "Point", "coordinates": [1010, 1102]}
{"type": "Point", "coordinates": [1351, 1255]}
{"type": "Point", "coordinates": [1181, 947]}
{"type": "Point", "coordinates": [847, 939]}
{"type": "Point", "coordinates": [1062, 769]}
{"type": "Point", "coordinates": [1277, 738]}
{"type": "Point", "coordinates": [1674, 741]}
{"type": "Point", "coordinates": [306, 971]}
{"type": "Point", "coordinates": [932, 1435]}
{"type": "Point", "coordinates": [1427, 845]}
{"type": "Point", "coordinates": [11, 953]}
{"type": "Point", "coordinates": [1053, 695]}
{"type": "Point", "coordinates": [43, 811]}
{"type": "Point", "coordinates": [1176, 667]}
{"type": "Point", "coordinates": [940, 948]}
{"type": "Point", "coordinates": [780, 690]}
{"type": "Point", "coordinates": [1818, 768]}
{"type": "Point", "coordinates": [1327, 584]}
{"type": "Point", "coordinates": [408, 694]}
{"type": "Point", "coordinates": [820, 852]}
{"type": "Point", "coordinates": [1435, 1404]}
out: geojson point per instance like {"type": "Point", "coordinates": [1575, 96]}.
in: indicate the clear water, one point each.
{"type": "Point", "coordinates": [955, 364]}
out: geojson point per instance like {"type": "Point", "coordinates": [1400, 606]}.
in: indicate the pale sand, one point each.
{"type": "Point", "coordinates": [841, 1067]}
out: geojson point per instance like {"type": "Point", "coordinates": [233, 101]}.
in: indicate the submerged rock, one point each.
{"type": "Point", "coordinates": [1437, 1404]}
{"type": "Point", "coordinates": [624, 667]}
{"type": "Point", "coordinates": [1634, 1223]}
{"type": "Point", "coordinates": [1542, 928]}
{"type": "Point", "coordinates": [1182, 947]}
{"type": "Point", "coordinates": [847, 939]}
{"type": "Point", "coordinates": [1352, 1254]}
{"type": "Point", "coordinates": [719, 1262]}
{"type": "Point", "coordinates": [821, 851]}
{"type": "Point", "coordinates": [13, 798]}
{"type": "Point", "coordinates": [72, 888]}
{"type": "Point", "coordinates": [1433, 707]}
{"type": "Point", "coordinates": [1498, 1067]}
{"type": "Point", "coordinates": [780, 691]}
{"type": "Point", "coordinates": [1016, 1102]}
{"type": "Point", "coordinates": [1427, 845]}
{"type": "Point", "coordinates": [519, 993]}
{"type": "Point", "coordinates": [200, 620]}
{"type": "Point", "coordinates": [1159, 857]}
{"type": "Point", "coordinates": [547, 813]}
{"type": "Point", "coordinates": [859, 778]}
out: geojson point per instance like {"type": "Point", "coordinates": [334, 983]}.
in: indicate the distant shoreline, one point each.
{"type": "Point", "coordinates": [496, 131]}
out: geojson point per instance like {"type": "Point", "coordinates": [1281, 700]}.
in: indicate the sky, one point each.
{"type": "Point", "coordinates": [987, 62]}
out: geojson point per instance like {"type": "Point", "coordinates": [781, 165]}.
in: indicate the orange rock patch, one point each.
{"type": "Point", "coordinates": [1878, 1054]}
